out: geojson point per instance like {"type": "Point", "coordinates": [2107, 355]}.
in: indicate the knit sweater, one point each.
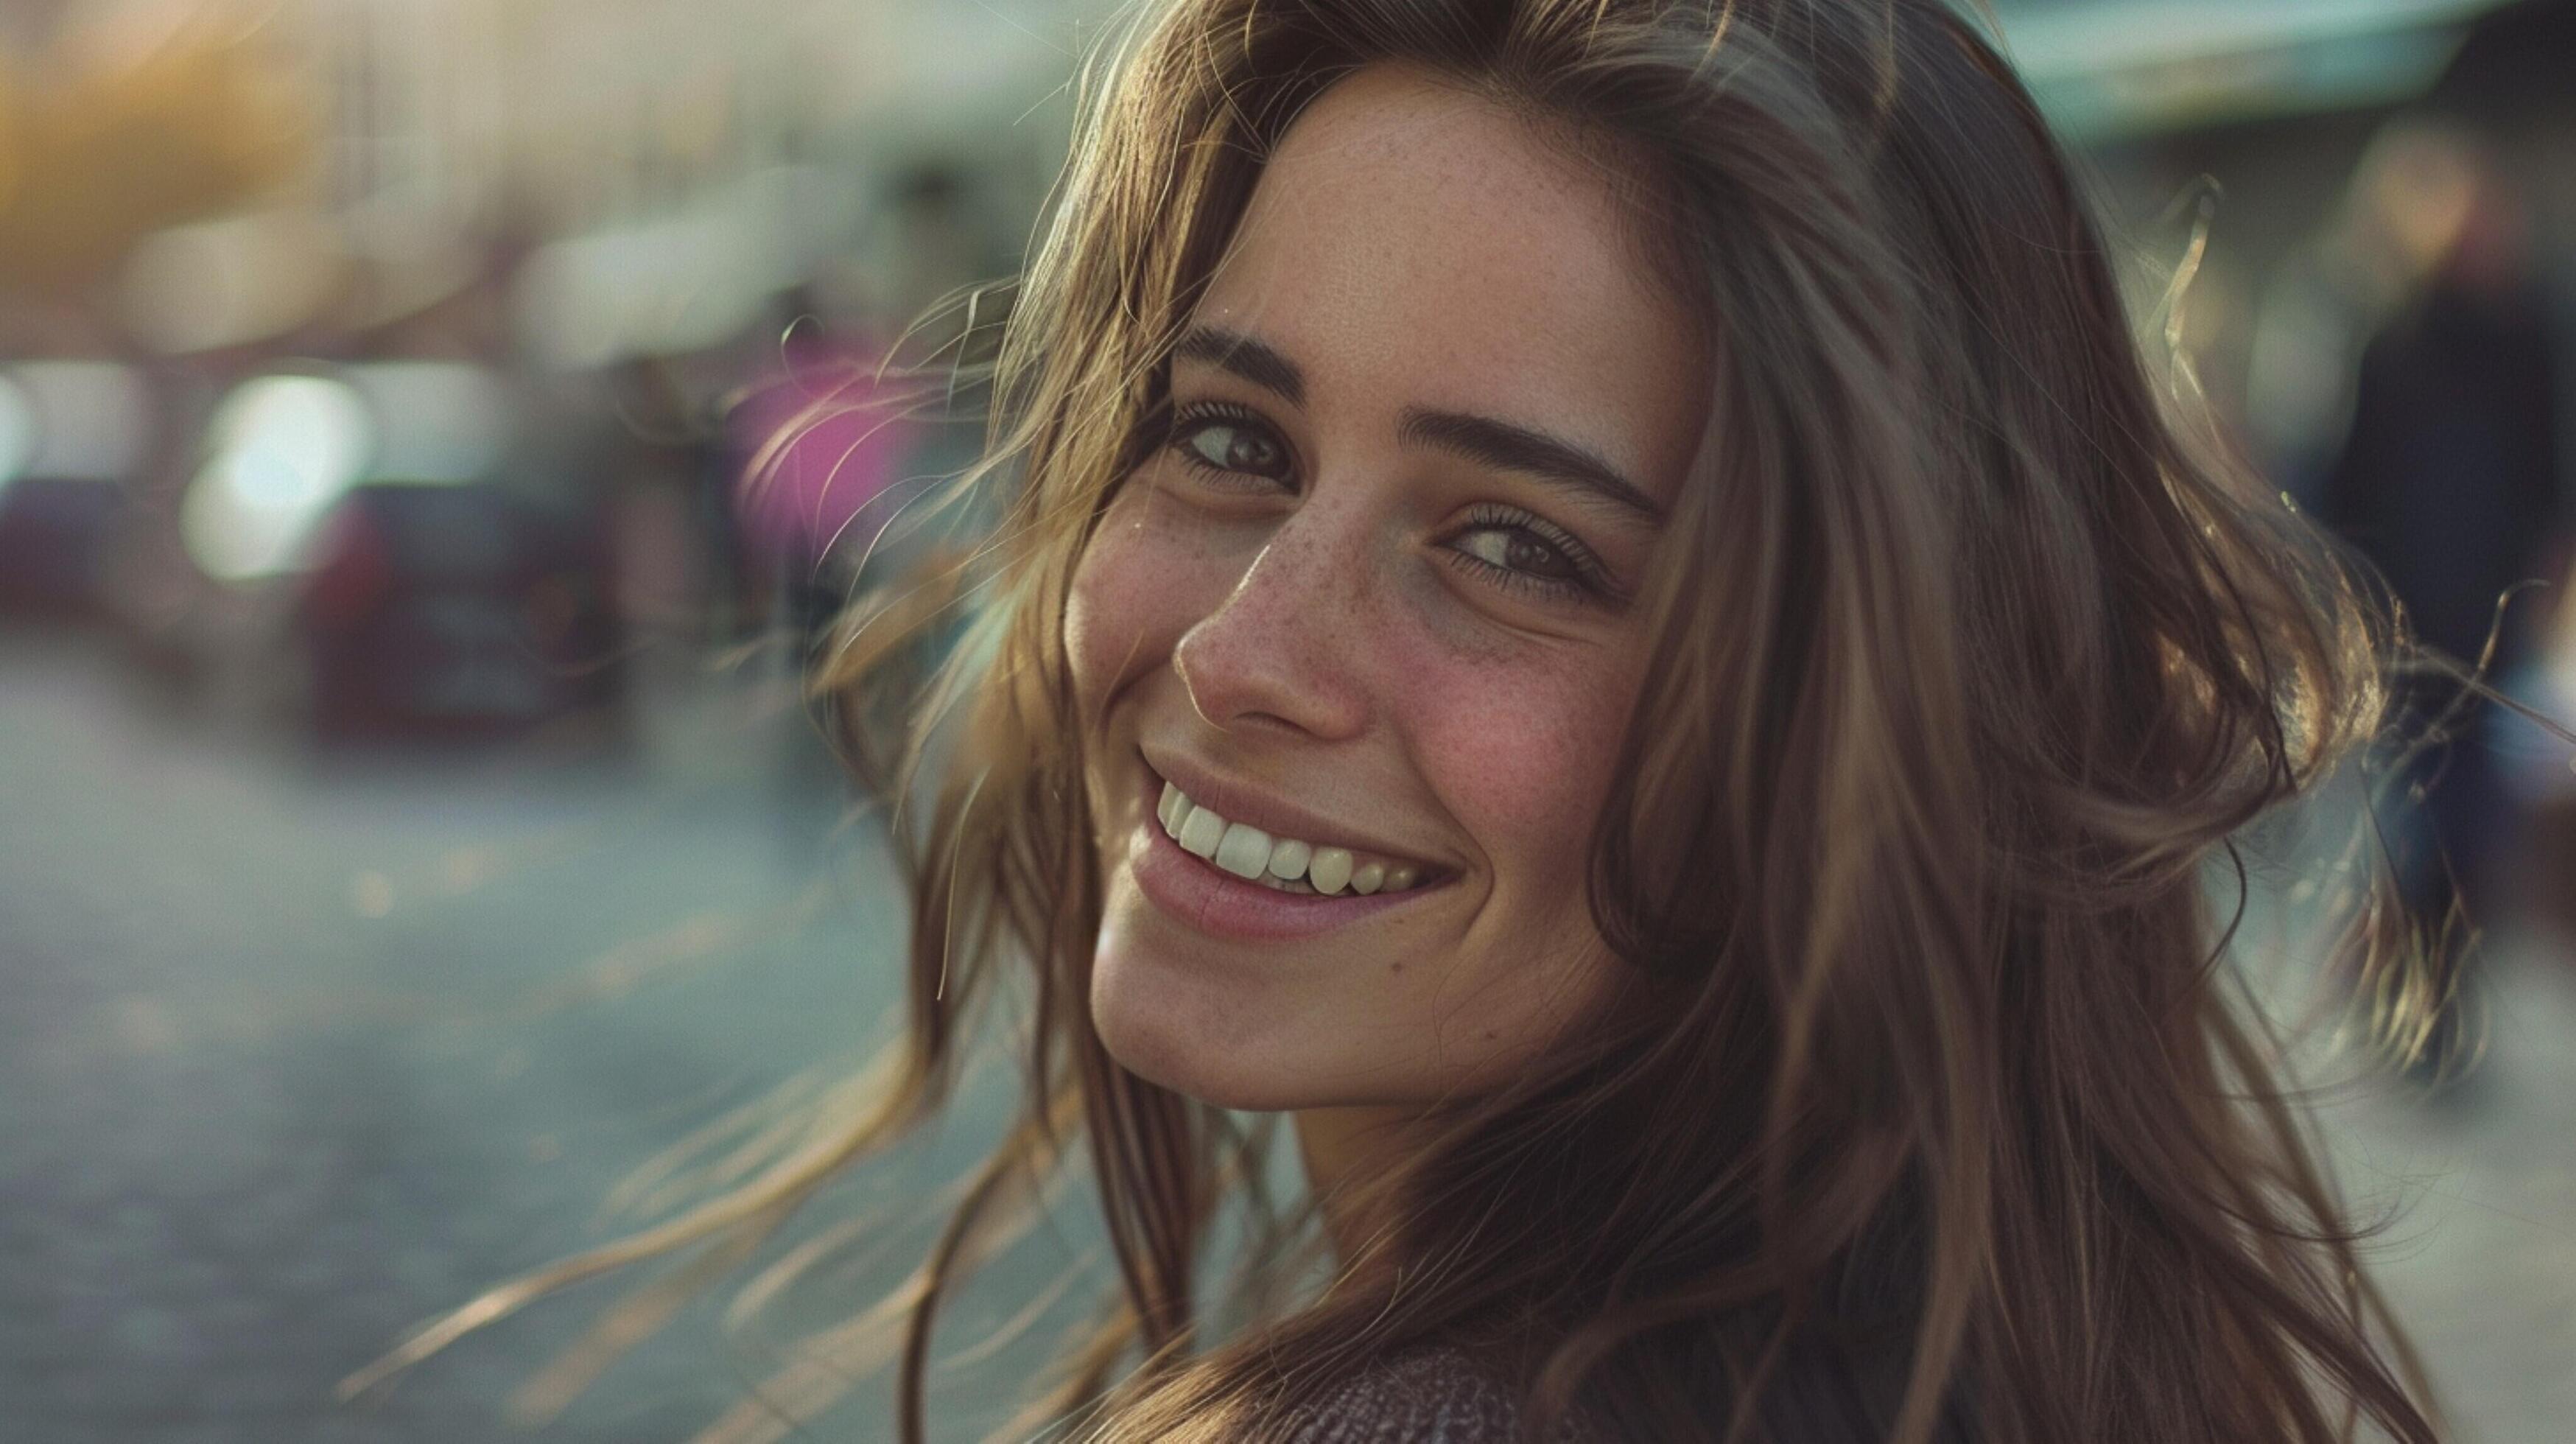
{"type": "Point", "coordinates": [1436, 1396]}
{"type": "Point", "coordinates": [1440, 1396]}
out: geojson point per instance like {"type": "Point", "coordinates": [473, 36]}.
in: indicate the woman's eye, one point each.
{"type": "Point", "coordinates": [1519, 552]}
{"type": "Point", "coordinates": [1515, 549]}
{"type": "Point", "coordinates": [1225, 443]}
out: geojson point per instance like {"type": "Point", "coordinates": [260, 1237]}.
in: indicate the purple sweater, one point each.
{"type": "Point", "coordinates": [1436, 1396]}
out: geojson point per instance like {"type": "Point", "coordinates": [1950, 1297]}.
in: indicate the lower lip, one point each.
{"type": "Point", "coordinates": [1197, 892]}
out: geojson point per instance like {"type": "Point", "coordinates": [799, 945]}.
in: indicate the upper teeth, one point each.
{"type": "Point", "coordinates": [1256, 856]}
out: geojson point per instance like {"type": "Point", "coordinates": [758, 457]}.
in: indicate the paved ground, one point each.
{"type": "Point", "coordinates": [296, 1051]}
{"type": "Point", "coordinates": [2476, 1192]}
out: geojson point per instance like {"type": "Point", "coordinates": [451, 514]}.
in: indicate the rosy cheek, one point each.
{"type": "Point", "coordinates": [1519, 749]}
{"type": "Point", "coordinates": [1131, 597]}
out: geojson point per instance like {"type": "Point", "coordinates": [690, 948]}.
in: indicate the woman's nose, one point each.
{"type": "Point", "coordinates": [1285, 649]}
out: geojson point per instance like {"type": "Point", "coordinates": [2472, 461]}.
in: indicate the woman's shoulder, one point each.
{"type": "Point", "coordinates": [1436, 1395]}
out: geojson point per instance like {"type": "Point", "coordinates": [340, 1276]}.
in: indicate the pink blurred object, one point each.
{"type": "Point", "coordinates": [820, 441]}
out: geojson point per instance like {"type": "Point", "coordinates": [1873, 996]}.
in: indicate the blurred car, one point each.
{"type": "Point", "coordinates": [73, 435]}
{"type": "Point", "coordinates": [398, 551]}
{"type": "Point", "coordinates": [473, 602]}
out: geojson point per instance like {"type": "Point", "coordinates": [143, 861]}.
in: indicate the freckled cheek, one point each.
{"type": "Point", "coordinates": [1138, 587]}
{"type": "Point", "coordinates": [1521, 755]}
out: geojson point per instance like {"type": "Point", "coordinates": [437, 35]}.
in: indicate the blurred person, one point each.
{"type": "Point", "coordinates": [2372, 257]}
{"type": "Point", "coordinates": [1603, 616]}
{"type": "Point", "coordinates": [676, 439]}
{"type": "Point", "coordinates": [2448, 480]}
{"type": "Point", "coordinates": [2542, 787]}
{"type": "Point", "coordinates": [818, 445]}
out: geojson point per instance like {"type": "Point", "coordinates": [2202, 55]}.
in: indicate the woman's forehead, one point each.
{"type": "Point", "coordinates": [1412, 243]}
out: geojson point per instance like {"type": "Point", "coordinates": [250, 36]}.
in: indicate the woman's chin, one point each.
{"type": "Point", "coordinates": [1165, 1041]}
{"type": "Point", "coordinates": [1182, 1028]}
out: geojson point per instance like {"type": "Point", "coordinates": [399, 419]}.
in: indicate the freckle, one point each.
{"type": "Point", "coordinates": [1491, 1035]}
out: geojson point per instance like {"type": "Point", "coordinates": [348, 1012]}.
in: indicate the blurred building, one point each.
{"type": "Point", "coordinates": [220, 171]}
{"type": "Point", "coordinates": [622, 205]}
{"type": "Point", "coordinates": [2266, 123]}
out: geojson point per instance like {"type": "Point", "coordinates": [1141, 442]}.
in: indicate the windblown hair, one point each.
{"type": "Point", "coordinates": [1969, 658]}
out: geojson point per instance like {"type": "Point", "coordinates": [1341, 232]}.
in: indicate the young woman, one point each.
{"type": "Point", "coordinates": [1603, 614]}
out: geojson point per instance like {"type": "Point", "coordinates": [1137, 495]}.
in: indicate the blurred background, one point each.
{"type": "Point", "coordinates": [409, 823]}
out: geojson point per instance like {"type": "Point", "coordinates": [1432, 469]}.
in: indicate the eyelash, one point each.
{"type": "Point", "coordinates": [1590, 582]}
{"type": "Point", "coordinates": [1185, 424]}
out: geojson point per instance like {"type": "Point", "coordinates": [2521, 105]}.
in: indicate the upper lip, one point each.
{"type": "Point", "coordinates": [1256, 806]}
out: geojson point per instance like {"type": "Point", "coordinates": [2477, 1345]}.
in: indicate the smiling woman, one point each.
{"type": "Point", "coordinates": [1604, 615]}
{"type": "Point", "coordinates": [1371, 596]}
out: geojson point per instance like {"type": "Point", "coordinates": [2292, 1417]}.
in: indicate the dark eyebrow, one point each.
{"type": "Point", "coordinates": [1243, 356]}
{"type": "Point", "coordinates": [1477, 438]}
{"type": "Point", "coordinates": [1534, 453]}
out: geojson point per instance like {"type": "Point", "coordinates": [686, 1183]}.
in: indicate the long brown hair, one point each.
{"type": "Point", "coordinates": [1970, 658]}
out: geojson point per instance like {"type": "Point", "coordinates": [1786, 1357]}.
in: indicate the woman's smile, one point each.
{"type": "Point", "coordinates": [1230, 876]}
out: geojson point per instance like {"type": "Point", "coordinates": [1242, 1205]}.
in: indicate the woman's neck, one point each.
{"type": "Point", "coordinates": [1345, 1149]}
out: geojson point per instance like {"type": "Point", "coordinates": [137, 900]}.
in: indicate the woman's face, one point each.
{"type": "Point", "coordinates": [1366, 611]}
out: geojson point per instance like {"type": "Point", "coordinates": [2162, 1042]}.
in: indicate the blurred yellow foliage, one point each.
{"type": "Point", "coordinates": [92, 160]}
